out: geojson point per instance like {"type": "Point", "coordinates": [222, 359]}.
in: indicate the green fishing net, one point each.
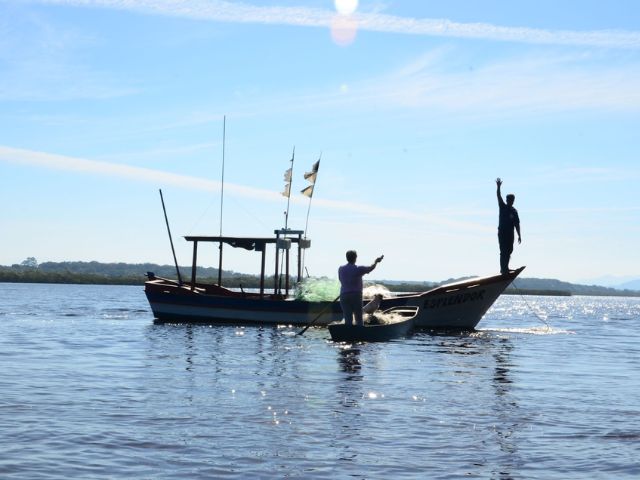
{"type": "Point", "coordinates": [317, 290]}
{"type": "Point", "coordinates": [327, 289]}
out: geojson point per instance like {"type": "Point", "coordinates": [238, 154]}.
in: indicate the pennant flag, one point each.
{"type": "Point", "coordinates": [312, 175]}
{"type": "Point", "coordinates": [308, 191]}
{"type": "Point", "coordinates": [287, 178]}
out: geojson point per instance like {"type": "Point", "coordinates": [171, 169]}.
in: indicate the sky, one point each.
{"type": "Point", "coordinates": [414, 108]}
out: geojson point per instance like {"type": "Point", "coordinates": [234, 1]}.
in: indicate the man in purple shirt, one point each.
{"type": "Point", "coordinates": [350, 276]}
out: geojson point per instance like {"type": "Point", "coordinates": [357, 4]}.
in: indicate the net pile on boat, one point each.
{"type": "Point", "coordinates": [372, 289]}
{"type": "Point", "coordinates": [380, 318]}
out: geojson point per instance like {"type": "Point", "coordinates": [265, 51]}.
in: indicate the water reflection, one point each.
{"type": "Point", "coordinates": [482, 366]}
{"type": "Point", "coordinates": [349, 361]}
{"type": "Point", "coordinates": [508, 418]}
{"type": "Point", "coordinates": [348, 417]}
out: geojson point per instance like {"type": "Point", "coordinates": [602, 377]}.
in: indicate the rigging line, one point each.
{"type": "Point", "coordinates": [535, 314]}
{"type": "Point", "coordinates": [199, 220]}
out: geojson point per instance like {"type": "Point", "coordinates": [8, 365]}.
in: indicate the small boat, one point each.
{"type": "Point", "coordinates": [400, 325]}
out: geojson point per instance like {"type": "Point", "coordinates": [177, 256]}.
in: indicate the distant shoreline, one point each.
{"type": "Point", "coordinates": [140, 282]}
{"type": "Point", "coordinates": [97, 273]}
{"type": "Point", "coordinates": [63, 279]}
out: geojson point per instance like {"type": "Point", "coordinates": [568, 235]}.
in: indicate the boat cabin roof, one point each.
{"type": "Point", "coordinates": [248, 243]}
{"type": "Point", "coordinates": [282, 240]}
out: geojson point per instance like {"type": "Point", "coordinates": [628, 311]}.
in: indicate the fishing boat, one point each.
{"type": "Point", "coordinates": [459, 305]}
{"type": "Point", "coordinates": [400, 324]}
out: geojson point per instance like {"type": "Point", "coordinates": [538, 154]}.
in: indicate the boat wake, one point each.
{"type": "Point", "coordinates": [538, 330]}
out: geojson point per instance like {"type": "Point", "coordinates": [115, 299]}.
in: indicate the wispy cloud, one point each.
{"type": "Point", "coordinates": [523, 86]}
{"type": "Point", "coordinates": [225, 11]}
{"type": "Point", "coordinates": [160, 178]}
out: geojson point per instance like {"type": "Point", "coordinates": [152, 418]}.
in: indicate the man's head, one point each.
{"type": "Point", "coordinates": [510, 199]}
{"type": "Point", "coordinates": [351, 256]}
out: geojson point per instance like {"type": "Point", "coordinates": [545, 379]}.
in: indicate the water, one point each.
{"type": "Point", "coordinates": [91, 388]}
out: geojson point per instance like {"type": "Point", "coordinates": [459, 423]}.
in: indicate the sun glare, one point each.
{"type": "Point", "coordinates": [346, 7]}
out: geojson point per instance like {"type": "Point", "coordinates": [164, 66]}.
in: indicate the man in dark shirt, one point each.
{"type": "Point", "coordinates": [508, 221]}
{"type": "Point", "coordinates": [350, 276]}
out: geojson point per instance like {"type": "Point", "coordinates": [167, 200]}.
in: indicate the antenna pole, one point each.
{"type": "Point", "coordinates": [306, 224]}
{"type": "Point", "coordinates": [224, 136]}
{"type": "Point", "coordinates": [286, 216]}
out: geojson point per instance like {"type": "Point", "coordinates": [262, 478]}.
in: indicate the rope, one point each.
{"type": "Point", "coordinates": [535, 314]}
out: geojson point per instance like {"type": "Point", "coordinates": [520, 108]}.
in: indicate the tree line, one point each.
{"type": "Point", "coordinates": [30, 271]}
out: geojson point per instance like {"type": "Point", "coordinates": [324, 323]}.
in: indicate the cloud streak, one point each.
{"type": "Point", "coordinates": [147, 175]}
{"type": "Point", "coordinates": [225, 11]}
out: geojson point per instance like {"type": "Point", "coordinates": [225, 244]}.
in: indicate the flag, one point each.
{"type": "Point", "coordinates": [311, 176]}
{"type": "Point", "coordinates": [287, 186]}
{"type": "Point", "coordinates": [308, 191]}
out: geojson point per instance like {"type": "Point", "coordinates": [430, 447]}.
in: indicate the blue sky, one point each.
{"type": "Point", "coordinates": [415, 107]}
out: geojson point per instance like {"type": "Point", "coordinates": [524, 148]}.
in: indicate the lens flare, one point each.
{"type": "Point", "coordinates": [343, 30]}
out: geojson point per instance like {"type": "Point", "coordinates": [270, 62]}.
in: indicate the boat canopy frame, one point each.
{"type": "Point", "coordinates": [282, 240]}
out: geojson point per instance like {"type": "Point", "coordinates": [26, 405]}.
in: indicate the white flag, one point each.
{"type": "Point", "coordinates": [287, 175]}
{"type": "Point", "coordinates": [287, 190]}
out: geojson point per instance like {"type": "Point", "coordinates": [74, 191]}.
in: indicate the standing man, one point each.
{"type": "Point", "coordinates": [350, 276]}
{"type": "Point", "coordinates": [508, 221]}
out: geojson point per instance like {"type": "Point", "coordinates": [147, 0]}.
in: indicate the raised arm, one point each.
{"type": "Point", "coordinates": [373, 265]}
{"type": "Point", "coordinates": [378, 260]}
{"type": "Point", "coordinates": [498, 193]}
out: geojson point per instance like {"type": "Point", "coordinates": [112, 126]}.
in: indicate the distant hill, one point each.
{"type": "Point", "coordinates": [625, 282]}
{"type": "Point", "coordinates": [572, 288]}
{"type": "Point", "coordinates": [134, 274]}
{"type": "Point", "coordinates": [538, 286]}
{"type": "Point", "coordinates": [632, 285]}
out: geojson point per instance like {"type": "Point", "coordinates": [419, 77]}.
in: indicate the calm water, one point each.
{"type": "Point", "coordinates": [91, 388]}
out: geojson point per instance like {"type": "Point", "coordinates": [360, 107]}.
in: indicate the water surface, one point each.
{"type": "Point", "coordinates": [92, 388]}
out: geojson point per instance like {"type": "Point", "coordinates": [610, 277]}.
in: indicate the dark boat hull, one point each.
{"type": "Point", "coordinates": [341, 332]}
{"type": "Point", "coordinates": [456, 306]}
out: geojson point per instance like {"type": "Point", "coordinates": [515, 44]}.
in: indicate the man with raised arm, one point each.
{"type": "Point", "coordinates": [508, 221]}
{"type": "Point", "coordinates": [350, 276]}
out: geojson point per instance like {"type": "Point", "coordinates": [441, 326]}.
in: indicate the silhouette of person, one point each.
{"type": "Point", "coordinates": [350, 276]}
{"type": "Point", "coordinates": [508, 221]}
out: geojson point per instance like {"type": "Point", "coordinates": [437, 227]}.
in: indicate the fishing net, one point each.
{"type": "Point", "coordinates": [327, 289]}
{"type": "Point", "coordinates": [372, 289]}
{"type": "Point", "coordinates": [317, 290]}
{"type": "Point", "coordinates": [380, 318]}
